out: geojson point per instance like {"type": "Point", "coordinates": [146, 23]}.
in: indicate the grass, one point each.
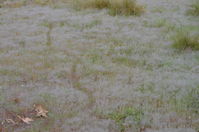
{"type": "Point", "coordinates": [98, 4]}
{"type": "Point", "coordinates": [184, 40]}
{"type": "Point", "coordinates": [195, 8]}
{"type": "Point", "coordinates": [188, 105]}
{"type": "Point", "coordinates": [115, 7]}
{"type": "Point", "coordinates": [20, 3]}
{"type": "Point", "coordinates": [48, 25]}
{"type": "Point", "coordinates": [121, 114]}
{"type": "Point", "coordinates": [106, 74]}
{"type": "Point", "coordinates": [192, 100]}
{"type": "Point", "coordinates": [22, 44]}
{"type": "Point", "coordinates": [124, 61]}
{"type": "Point", "coordinates": [160, 9]}
{"type": "Point", "coordinates": [13, 4]}
{"type": "Point", "coordinates": [156, 24]}
{"type": "Point", "coordinates": [43, 2]}
{"type": "Point", "coordinates": [160, 23]}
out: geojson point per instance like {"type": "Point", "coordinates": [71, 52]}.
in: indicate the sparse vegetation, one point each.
{"type": "Point", "coordinates": [184, 40]}
{"type": "Point", "coordinates": [157, 23]}
{"type": "Point", "coordinates": [158, 9]}
{"type": "Point", "coordinates": [195, 8]}
{"type": "Point", "coordinates": [13, 4]}
{"type": "Point", "coordinates": [98, 4]}
{"type": "Point", "coordinates": [122, 113]}
{"type": "Point", "coordinates": [116, 7]}
{"type": "Point", "coordinates": [43, 2]}
{"type": "Point", "coordinates": [192, 100]}
{"type": "Point", "coordinates": [89, 71]}
{"type": "Point", "coordinates": [124, 61]}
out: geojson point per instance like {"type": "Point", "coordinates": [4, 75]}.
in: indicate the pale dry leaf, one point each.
{"type": "Point", "coordinates": [41, 111]}
{"type": "Point", "coordinates": [26, 120]}
{"type": "Point", "coordinates": [10, 121]}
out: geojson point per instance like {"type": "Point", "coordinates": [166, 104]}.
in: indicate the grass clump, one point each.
{"type": "Point", "coordinates": [42, 2]}
{"type": "Point", "coordinates": [184, 40]}
{"type": "Point", "coordinates": [125, 7]}
{"type": "Point", "coordinates": [116, 7]}
{"type": "Point", "coordinates": [192, 100]}
{"type": "Point", "coordinates": [121, 114]}
{"type": "Point", "coordinates": [126, 61]}
{"type": "Point", "coordinates": [98, 4]}
{"type": "Point", "coordinates": [195, 8]}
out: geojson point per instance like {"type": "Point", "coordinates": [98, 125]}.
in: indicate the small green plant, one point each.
{"type": "Point", "coordinates": [158, 23]}
{"type": "Point", "coordinates": [124, 61]}
{"type": "Point", "coordinates": [192, 100]}
{"type": "Point", "coordinates": [48, 34]}
{"type": "Point", "coordinates": [116, 7]}
{"type": "Point", "coordinates": [122, 113]}
{"type": "Point", "coordinates": [195, 8]}
{"type": "Point", "coordinates": [22, 43]}
{"type": "Point", "coordinates": [184, 40]}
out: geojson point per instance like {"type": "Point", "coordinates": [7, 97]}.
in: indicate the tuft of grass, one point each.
{"type": "Point", "coordinates": [98, 4]}
{"type": "Point", "coordinates": [184, 40]}
{"type": "Point", "coordinates": [116, 7]}
{"type": "Point", "coordinates": [192, 100]}
{"type": "Point", "coordinates": [125, 7]}
{"type": "Point", "coordinates": [195, 8]}
{"type": "Point", "coordinates": [43, 2]}
{"type": "Point", "coordinates": [124, 61]}
{"type": "Point", "coordinates": [48, 25]}
{"type": "Point", "coordinates": [121, 114]}
{"type": "Point", "coordinates": [160, 23]}
{"type": "Point", "coordinates": [22, 43]}
{"type": "Point", "coordinates": [13, 4]}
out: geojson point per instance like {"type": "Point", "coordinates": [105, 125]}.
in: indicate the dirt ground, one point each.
{"type": "Point", "coordinates": [87, 67]}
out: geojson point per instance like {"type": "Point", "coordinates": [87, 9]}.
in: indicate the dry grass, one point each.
{"type": "Point", "coordinates": [21, 3]}
{"type": "Point", "coordinates": [98, 4]}
{"type": "Point", "coordinates": [116, 7]}
{"type": "Point", "coordinates": [184, 40]}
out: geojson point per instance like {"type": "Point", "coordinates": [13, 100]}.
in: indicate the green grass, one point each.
{"type": "Point", "coordinates": [192, 100]}
{"type": "Point", "coordinates": [184, 40]}
{"type": "Point", "coordinates": [159, 9]}
{"type": "Point", "coordinates": [195, 8]}
{"type": "Point", "coordinates": [124, 61]}
{"type": "Point", "coordinates": [116, 7]}
{"type": "Point", "coordinates": [22, 43]}
{"type": "Point", "coordinates": [187, 105]}
{"type": "Point", "coordinates": [158, 23]}
{"type": "Point", "coordinates": [122, 113]}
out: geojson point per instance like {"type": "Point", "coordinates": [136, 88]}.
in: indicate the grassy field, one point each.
{"type": "Point", "coordinates": [99, 66]}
